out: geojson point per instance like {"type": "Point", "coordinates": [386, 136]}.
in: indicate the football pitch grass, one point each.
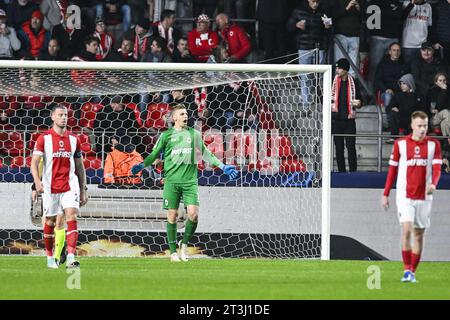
{"type": "Point", "coordinates": [224, 279]}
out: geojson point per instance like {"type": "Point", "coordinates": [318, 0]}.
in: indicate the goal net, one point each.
{"type": "Point", "coordinates": [271, 121]}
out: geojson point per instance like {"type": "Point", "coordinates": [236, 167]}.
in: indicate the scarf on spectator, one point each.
{"type": "Point", "coordinates": [351, 94]}
{"type": "Point", "coordinates": [106, 43]}
{"type": "Point", "coordinates": [168, 35]}
{"type": "Point", "coordinates": [200, 98]}
{"type": "Point", "coordinates": [62, 4]}
{"type": "Point", "coordinates": [139, 49]}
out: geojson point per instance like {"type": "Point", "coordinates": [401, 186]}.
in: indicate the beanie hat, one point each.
{"type": "Point", "coordinates": [408, 79]}
{"type": "Point", "coordinates": [37, 14]}
{"type": "Point", "coordinates": [144, 23]}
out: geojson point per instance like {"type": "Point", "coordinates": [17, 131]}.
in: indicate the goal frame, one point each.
{"type": "Point", "coordinates": [326, 70]}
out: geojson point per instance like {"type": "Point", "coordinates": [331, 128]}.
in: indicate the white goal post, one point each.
{"type": "Point", "coordinates": [284, 158]}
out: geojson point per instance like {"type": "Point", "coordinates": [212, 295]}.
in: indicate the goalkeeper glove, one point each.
{"type": "Point", "coordinates": [137, 168]}
{"type": "Point", "coordinates": [230, 171]}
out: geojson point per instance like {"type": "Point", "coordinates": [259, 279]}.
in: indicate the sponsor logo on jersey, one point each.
{"type": "Point", "coordinates": [61, 144]}
{"type": "Point", "coordinates": [417, 150]}
{"type": "Point", "coordinates": [188, 139]}
{"type": "Point", "coordinates": [177, 152]}
{"type": "Point", "coordinates": [417, 162]}
{"type": "Point", "coordinates": [62, 154]}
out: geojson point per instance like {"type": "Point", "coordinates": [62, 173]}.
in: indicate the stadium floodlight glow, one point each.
{"type": "Point", "coordinates": [280, 140]}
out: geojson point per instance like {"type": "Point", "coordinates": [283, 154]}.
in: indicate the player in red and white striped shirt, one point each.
{"type": "Point", "coordinates": [416, 163]}
{"type": "Point", "coordinates": [63, 186]}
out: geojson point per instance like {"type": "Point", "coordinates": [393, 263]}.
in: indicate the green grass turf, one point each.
{"type": "Point", "coordinates": [144, 278]}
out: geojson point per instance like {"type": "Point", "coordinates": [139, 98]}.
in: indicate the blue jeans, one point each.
{"type": "Point", "coordinates": [351, 46]}
{"type": "Point", "coordinates": [126, 15]}
{"type": "Point", "coordinates": [307, 80]}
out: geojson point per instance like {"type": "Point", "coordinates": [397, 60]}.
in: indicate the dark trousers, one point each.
{"type": "Point", "coordinates": [273, 40]}
{"type": "Point", "coordinates": [396, 122]}
{"type": "Point", "coordinates": [345, 127]}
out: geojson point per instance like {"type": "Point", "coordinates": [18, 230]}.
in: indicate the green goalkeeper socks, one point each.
{"type": "Point", "coordinates": [189, 230]}
{"type": "Point", "coordinates": [60, 237]}
{"type": "Point", "coordinates": [172, 236]}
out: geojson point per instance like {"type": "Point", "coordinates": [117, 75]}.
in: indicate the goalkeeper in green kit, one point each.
{"type": "Point", "coordinates": [179, 145]}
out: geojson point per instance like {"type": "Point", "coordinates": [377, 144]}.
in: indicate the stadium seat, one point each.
{"type": "Point", "coordinates": [243, 145]}
{"type": "Point", "coordinates": [290, 165]}
{"type": "Point", "coordinates": [436, 131]}
{"type": "Point", "coordinates": [156, 115]}
{"type": "Point", "coordinates": [86, 146]}
{"type": "Point", "coordinates": [137, 112]}
{"type": "Point", "coordinates": [18, 162]}
{"type": "Point", "coordinates": [279, 146]}
{"type": "Point", "coordinates": [92, 162]}
{"type": "Point", "coordinates": [214, 142]}
{"type": "Point", "coordinates": [14, 145]}
{"type": "Point", "coordinates": [88, 112]}
{"type": "Point", "coordinates": [33, 139]}
{"type": "Point", "coordinates": [38, 102]}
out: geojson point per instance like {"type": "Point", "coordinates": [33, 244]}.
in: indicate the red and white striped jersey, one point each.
{"type": "Point", "coordinates": [416, 164]}
{"type": "Point", "coordinates": [58, 152]}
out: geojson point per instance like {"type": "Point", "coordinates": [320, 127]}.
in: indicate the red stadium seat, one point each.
{"type": "Point", "coordinates": [86, 147]}
{"type": "Point", "coordinates": [18, 162]}
{"type": "Point", "coordinates": [92, 163]}
{"type": "Point", "coordinates": [214, 142]}
{"type": "Point", "coordinates": [33, 139]}
{"type": "Point", "coordinates": [137, 112]}
{"type": "Point", "coordinates": [243, 145]}
{"type": "Point", "coordinates": [290, 165]}
{"type": "Point", "coordinates": [156, 115]}
{"type": "Point", "coordinates": [279, 146]}
{"type": "Point", "coordinates": [14, 144]}
{"type": "Point", "coordinates": [88, 112]}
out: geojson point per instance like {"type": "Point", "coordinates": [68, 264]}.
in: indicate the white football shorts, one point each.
{"type": "Point", "coordinates": [416, 211]}
{"type": "Point", "coordinates": [54, 204]}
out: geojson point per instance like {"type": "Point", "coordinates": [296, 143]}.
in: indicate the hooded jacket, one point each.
{"type": "Point", "coordinates": [118, 166]}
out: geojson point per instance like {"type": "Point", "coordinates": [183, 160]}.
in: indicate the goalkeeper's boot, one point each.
{"type": "Point", "coordinates": [71, 262]}
{"type": "Point", "coordinates": [51, 263]}
{"type": "Point", "coordinates": [174, 257]}
{"type": "Point", "coordinates": [408, 276]}
{"type": "Point", "coordinates": [183, 251]}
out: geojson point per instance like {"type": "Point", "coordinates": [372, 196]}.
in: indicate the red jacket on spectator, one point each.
{"type": "Point", "coordinates": [36, 42]}
{"type": "Point", "coordinates": [201, 45]}
{"type": "Point", "coordinates": [238, 43]}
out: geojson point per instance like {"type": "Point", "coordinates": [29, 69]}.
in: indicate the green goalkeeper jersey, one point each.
{"type": "Point", "coordinates": [182, 149]}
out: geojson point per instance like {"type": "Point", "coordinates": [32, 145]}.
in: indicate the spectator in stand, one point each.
{"type": "Point", "coordinates": [389, 71]}
{"type": "Point", "coordinates": [124, 53]}
{"type": "Point", "coordinates": [239, 9]}
{"type": "Point", "coordinates": [166, 30]}
{"type": "Point", "coordinates": [115, 120]}
{"type": "Point", "coordinates": [440, 34]}
{"type": "Point", "coordinates": [119, 162]}
{"type": "Point", "coordinates": [143, 39]}
{"type": "Point", "coordinates": [158, 51]}
{"type": "Point", "coordinates": [439, 104]}
{"type": "Point", "coordinates": [33, 36]}
{"type": "Point", "coordinates": [402, 105]}
{"type": "Point", "coordinates": [52, 11]}
{"type": "Point", "coordinates": [345, 99]}
{"type": "Point", "coordinates": [105, 39]}
{"type": "Point", "coordinates": [272, 17]}
{"type": "Point", "coordinates": [418, 21]}
{"type": "Point", "coordinates": [9, 43]}
{"type": "Point", "coordinates": [388, 33]}
{"type": "Point", "coordinates": [70, 40]}
{"type": "Point", "coordinates": [234, 37]}
{"type": "Point", "coordinates": [347, 22]}
{"type": "Point", "coordinates": [19, 12]}
{"type": "Point", "coordinates": [425, 68]}
{"type": "Point", "coordinates": [53, 52]}
{"type": "Point", "coordinates": [181, 53]}
{"type": "Point", "coordinates": [202, 40]}
{"type": "Point", "coordinates": [310, 25]}
{"type": "Point", "coordinates": [114, 11]}
{"type": "Point", "coordinates": [207, 7]}
{"type": "Point", "coordinates": [156, 7]}
{"type": "Point", "coordinates": [89, 53]}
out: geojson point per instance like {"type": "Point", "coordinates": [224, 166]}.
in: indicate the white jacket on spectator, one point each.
{"type": "Point", "coordinates": [415, 30]}
{"type": "Point", "coordinates": [9, 43]}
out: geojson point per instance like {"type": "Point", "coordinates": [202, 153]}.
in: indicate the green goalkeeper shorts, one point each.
{"type": "Point", "coordinates": [174, 192]}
